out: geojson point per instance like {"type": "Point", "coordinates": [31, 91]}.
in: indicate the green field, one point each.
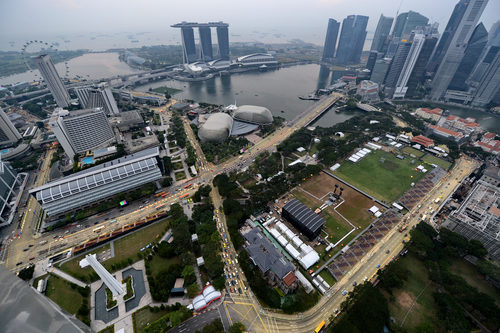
{"type": "Point", "coordinates": [61, 293]}
{"type": "Point", "coordinates": [400, 304]}
{"type": "Point", "coordinates": [144, 316]}
{"type": "Point", "coordinates": [125, 248]}
{"type": "Point", "coordinates": [325, 274]}
{"type": "Point", "coordinates": [431, 159]}
{"type": "Point", "coordinates": [386, 180]}
{"type": "Point", "coordinates": [410, 150]}
{"type": "Point", "coordinates": [180, 175]}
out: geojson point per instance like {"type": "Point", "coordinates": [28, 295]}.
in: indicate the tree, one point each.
{"type": "Point", "coordinates": [193, 289]}
{"type": "Point", "coordinates": [476, 248]}
{"type": "Point", "coordinates": [237, 327]}
{"type": "Point", "coordinates": [40, 124]}
{"type": "Point", "coordinates": [214, 327]}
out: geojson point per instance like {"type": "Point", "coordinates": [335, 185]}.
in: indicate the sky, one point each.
{"type": "Point", "coordinates": [249, 20]}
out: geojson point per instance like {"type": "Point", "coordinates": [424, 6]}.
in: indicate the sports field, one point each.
{"type": "Point", "coordinates": [431, 159]}
{"type": "Point", "coordinates": [381, 175]}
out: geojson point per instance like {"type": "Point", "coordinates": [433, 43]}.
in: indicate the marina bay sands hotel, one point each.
{"type": "Point", "coordinates": [206, 51]}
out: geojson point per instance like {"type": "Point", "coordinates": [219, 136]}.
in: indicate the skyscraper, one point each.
{"type": "Point", "coordinates": [481, 65]}
{"type": "Point", "coordinates": [223, 42]}
{"type": "Point", "coordinates": [396, 67]}
{"type": "Point", "coordinates": [206, 43]}
{"type": "Point", "coordinates": [372, 58]}
{"type": "Point", "coordinates": [406, 22]}
{"type": "Point", "coordinates": [188, 46]}
{"type": "Point", "coordinates": [467, 13]}
{"type": "Point", "coordinates": [352, 38]}
{"type": "Point", "coordinates": [381, 32]}
{"type": "Point", "coordinates": [99, 96]}
{"type": "Point", "coordinates": [407, 69]}
{"type": "Point", "coordinates": [8, 133]}
{"type": "Point", "coordinates": [52, 79]}
{"type": "Point", "coordinates": [331, 40]}
{"type": "Point", "coordinates": [416, 80]}
{"type": "Point", "coordinates": [82, 130]}
{"type": "Point", "coordinates": [489, 85]}
{"type": "Point", "coordinates": [475, 48]}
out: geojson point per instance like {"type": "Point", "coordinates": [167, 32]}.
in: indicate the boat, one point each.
{"type": "Point", "coordinates": [263, 68]}
{"type": "Point", "coordinates": [310, 97]}
{"type": "Point", "coordinates": [282, 111]}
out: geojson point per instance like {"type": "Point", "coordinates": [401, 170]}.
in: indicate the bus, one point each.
{"type": "Point", "coordinates": [184, 195]}
{"type": "Point", "coordinates": [188, 185]}
{"type": "Point", "coordinates": [98, 229]}
{"type": "Point", "coordinates": [320, 327]}
{"type": "Point", "coordinates": [164, 194]}
{"type": "Point", "coordinates": [159, 194]}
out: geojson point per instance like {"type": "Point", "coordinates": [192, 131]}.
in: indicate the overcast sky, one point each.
{"type": "Point", "coordinates": [304, 19]}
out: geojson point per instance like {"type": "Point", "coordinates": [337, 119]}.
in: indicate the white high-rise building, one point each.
{"type": "Point", "coordinates": [82, 130]}
{"type": "Point", "coordinates": [8, 133]}
{"type": "Point", "coordinates": [52, 79]}
{"type": "Point", "coordinates": [411, 59]}
{"type": "Point", "coordinates": [99, 96]}
{"type": "Point", "coordinates": [462, 23]}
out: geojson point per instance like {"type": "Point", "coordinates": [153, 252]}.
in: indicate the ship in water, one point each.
{"type": "Point", "coordinates": [310, 97]}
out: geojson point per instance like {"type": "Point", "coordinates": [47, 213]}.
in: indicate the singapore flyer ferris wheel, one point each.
{"type": "Point", "coordinates": [34, 48]}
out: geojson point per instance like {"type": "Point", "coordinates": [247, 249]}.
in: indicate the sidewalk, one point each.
{"type": "Point", "coordinates": [67, 277]}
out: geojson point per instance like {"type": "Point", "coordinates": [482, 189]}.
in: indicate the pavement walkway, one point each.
{"type": "Point", "coordinates": [67, 277]}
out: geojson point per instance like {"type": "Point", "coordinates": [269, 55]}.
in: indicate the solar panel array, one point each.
{"type": "Point", "coordinates": [303, 216]}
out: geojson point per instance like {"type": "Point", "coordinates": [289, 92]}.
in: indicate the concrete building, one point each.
{"type": "Point", "coordinates": [478, 217]}
{"type": "Point", "coordinates": [379, 42]}
{"type": "Point", "coordinates": [82, 130]}
{"type": "Point", "coordinates": [489, 85]}
{"type": "Point", "coordinates": [206, 53]}
{"type": "Point", "coordinates": [11, 187]}
{"type": "Point", "coordinates": [99, 96]}
{"type": "Point", "coordinates": [415, 85]}
{"type": "Point", "coordinates": [426, 113]}
{"type": "Point", "coordinates": [407, 22]}
{"type": "Point", "coordinates": [352, 39]}
{"type": "Point", "coordinates": [380, 70]}
{"type": "Point", "coordinates": [397, 64]}
{"type": "Point", "coordinates": [423, 140]}
{"type": "Point", "coordinates": [217, 127]}
{"type": "Point", "coordinates": [303, 218]}
{"type": "Point", "coordinates": [52, 79]}
{"type": "Point", "coordinates": [372, 59]}
{"type": "Point", "coordinates": [368, 91]}
{"type": "Point", "coordinates": [83, 189]}
{"type": "Point", "coordinates": [331, 40]}
{"type": "Point", "coordinates": [491, 175]}
{"type": "Point", "coordinates": [406, 71]}
{"type": "Point", "coordinates": [8, 133]}
{"type": "Point", "coordinates": [447, 133]}
{"type": "Point", "coordinates": [467, 13]}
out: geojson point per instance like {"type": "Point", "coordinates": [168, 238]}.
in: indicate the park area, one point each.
{"type": "Point", "coordinates": [381, 175]}
{"type": "Point", "coordinates": [126, 250]}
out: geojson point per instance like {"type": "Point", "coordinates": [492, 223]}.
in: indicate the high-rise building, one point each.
{"type": "Point", "coordinates": [223, 42]}
{"type": "Point", "coordinates": [464, 18]}
{"type": "Point", "coordinates": [380, 70]}
{"type": "Point", "coordinates": [352, 39]}
{"type": "Point", "coordinates": [489, 85]}
{"type": "Point", "coordinates": [82, 130]}
{"type": "Point", "coordinates": [372, 58]}
{"type": "Point", "coordinates": [494, 34]}
{"type": "Point", "coordinates": [206, 44]}
{"type": "Point", "coordinates": [407, 22]}
{"type": "Point", "coordinates": [396, 67]}
{"type": "Point", "coordinates": [8, 133]}
{"type": "Point", "coordinates": [10, 184]}
{"type": "Point", "coordinates": [99, 96]}
{"type": "Point", "coordinates": [416, 80]}
{"type": "Point", "coordinates": [52, 79]}
{"type": "Point", "coordinates": [417, 44]}
{"type": "Point", "coordinates": [491, 48]}
{"type": "Point", "coordinates": [331, 40]}
{"type": "Point", "coordinates": [206, 50]}
{"type": "Point", "coordinates": [475, 48]}
{"type": "Point", "coordinates": [381, 32]}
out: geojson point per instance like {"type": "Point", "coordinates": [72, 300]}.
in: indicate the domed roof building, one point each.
{"type": "Point", "coordinates": [217, 127]}
{"type": "Point", "coordinates": [253, 114]}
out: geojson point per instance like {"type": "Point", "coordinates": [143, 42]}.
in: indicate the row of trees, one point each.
{"type": "Point", "coordinates": [216, 152]}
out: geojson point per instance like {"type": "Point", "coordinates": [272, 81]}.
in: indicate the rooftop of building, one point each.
{"type": "Point", "coordinates": [446, 131]}
{"type": "Point", "coordinates": [437, 111]}
{"type": "Point", "coordinates": [423, 140]}
{"type": "Point", "coordinates": [492, 171]}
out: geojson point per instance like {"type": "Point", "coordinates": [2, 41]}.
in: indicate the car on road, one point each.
{"type": "Point", "coordinates": [354, 283]}
{"type": "Point", "coordinates": [239, 290]}
{"type": "Point", "coordinates": [19, 263]}
{"type": "Point", "coordinates": [378, 266]}
{"type": "Point", "coordinates": [344, 292]}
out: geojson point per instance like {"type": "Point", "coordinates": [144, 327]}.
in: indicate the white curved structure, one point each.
{"type": "Point", "coordinates": [207, 296]}
{"type": "Point", "coordinates": [216, 128]}
{"type": "Point", "coordinates": [257, 59]}
{"type": "Point", "coordinates": [253, 114]}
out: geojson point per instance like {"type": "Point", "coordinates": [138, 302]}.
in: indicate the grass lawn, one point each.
{"type": "Point", "coordinates": [177, 166]}
{"type": "Point", "coordinates": [180, 175]}
{"type": "Point", "coordinates": [109, 329]}
{"type": "Point", "coordinates": [126, 247]}
{"type": "Point", "coordinates": [431, 159]}
{"type": "Point", "coordinates": [418, 284]}
{"type": "Point", "coordinates": [469, 273]}
{"type": "Point", "coordinates": [163, 89]}
{"type": "Point", "coordinates": [325, 274]}
{"type": "Point", "coordinates": [142, 317]}
{"type": "Point", "coordinates": [386, 180]}
{"type": "Point", "coordinates": [158, 264]}
{"type": "Point", "coordinates": [60, 292]}
{"type": "Point", "coordinates": [409, 150]}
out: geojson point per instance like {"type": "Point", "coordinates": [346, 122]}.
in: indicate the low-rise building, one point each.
{"type": "Point", "coordinates": [467, 125]}
{"type": "Point", "coordinates": [271, 263]}
{"type": "Point", "coordinates": [368, 90]}
{"type": "Point", "coordinates": [447, 133]}
{"type": "Point", "coordinates": [423, 140]}
{"type": "Point", "coordinates": [431, 114]}
{"type": "Point", "coordinates": [491, 175]}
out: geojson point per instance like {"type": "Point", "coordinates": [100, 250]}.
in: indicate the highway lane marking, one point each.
{"type": "Point", "coordinates": [228, 315]}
